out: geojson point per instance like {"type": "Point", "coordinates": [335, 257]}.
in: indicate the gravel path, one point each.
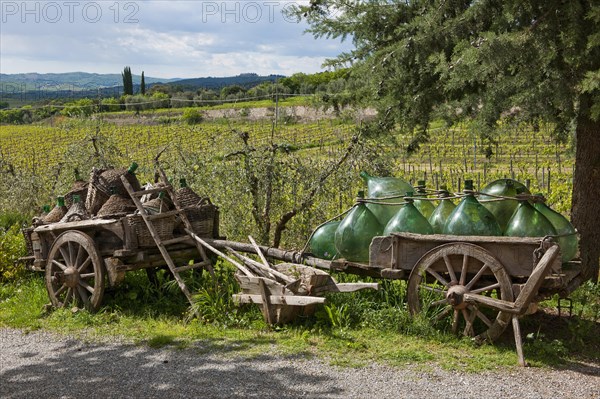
{"type": "Point", "coordinates": [42, 365]}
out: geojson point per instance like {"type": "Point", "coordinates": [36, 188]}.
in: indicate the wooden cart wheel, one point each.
{"type": "Point", "coordinates": [441, 278]}
{"type": "Point", "coordinates": [75, 272]}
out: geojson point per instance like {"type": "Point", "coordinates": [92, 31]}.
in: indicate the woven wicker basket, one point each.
{"type": "Point", "coordinates": [116, 205]}
{"type": "Point", "coordinates": [204, 218]}
{"type": "Point", "coordinates": [100, 183]}
{"type": "Point", "coordinates": [57, 213]}
{"type": "Point", "coordinates": [164, 227]}
{"type": "Point", "coordinates": [187, 197]}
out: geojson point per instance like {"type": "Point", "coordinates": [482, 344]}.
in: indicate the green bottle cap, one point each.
{"type": "Point", "coordinates": [76, 198]}
{"type": "Point", "coordinates": [132, 167]}
{"type": "Point", "coordinates": [77, 175]}
{"type": "Point", "coordinates": [182, 183]}
{"type": "Point", "coordinates": [46, 208]}
{"type": "Point", "coordinates": [468, 184]}
{"type": "Point", "coordinates": [60, 201]}
{"type": "Point", "coordinates": [421, 183]}
{"type": "Point", "coordinates": [361, 194]}
{"type": "Point", "coordinates": [161, 195]}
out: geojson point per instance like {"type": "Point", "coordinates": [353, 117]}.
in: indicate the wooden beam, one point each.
{"type": "Point", "coordinates": [292, 300]}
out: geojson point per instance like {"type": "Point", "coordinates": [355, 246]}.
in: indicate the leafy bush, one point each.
{"type": "Point", "coordinates": [192, 116]}
{"type": "Point", "coordinates": [12, 247]}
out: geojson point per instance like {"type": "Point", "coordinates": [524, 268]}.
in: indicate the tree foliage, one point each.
{"type": "Point", "coordinates": [481, 61]}
{"type": "Point", "coordinates": [127, 81]}
{"type": "Point", "coordinates": [143, 85]}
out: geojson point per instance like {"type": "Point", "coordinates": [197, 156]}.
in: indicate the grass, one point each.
{"type": "Point", "coordinates": [158, 318]}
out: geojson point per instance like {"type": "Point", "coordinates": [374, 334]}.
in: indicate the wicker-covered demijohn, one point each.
{"type": "Point", "coordinates": [99, 187]}
{"type": "Point", "coordinates": [116, 205]}
{"type": "Point", "coordinates": [204, 218]}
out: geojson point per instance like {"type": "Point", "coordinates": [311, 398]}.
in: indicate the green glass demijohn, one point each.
{"type": "Point", "coordinates": [567, 240]}
{"type": "Point", "coordinates": [382, 187]}
{"type": "Point", "coordinates": [470, 218]}
{"type": "Point", "coordinates": [442, 212]}
{"type": "Point", "coordinates": [502, 209]}
{"type": "Point", "coordinates": [424, 206]}
{"type": "Point", "coordinates": [528, 221]}
{"type": "Point", "coordinates": [322, 242]}
{"type": "Point", "coordinates": [355, 232]}
{"type": "Point", "coordinates": [408, 220]}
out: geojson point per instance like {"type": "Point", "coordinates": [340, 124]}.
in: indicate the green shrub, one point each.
{"type": "Point", "coordinates": [192, 116]}
{"type": "Point", "coordinates": [12, 247]}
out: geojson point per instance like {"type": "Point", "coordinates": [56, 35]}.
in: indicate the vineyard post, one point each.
{"type": "Point", "coordinates": [549, 187]}
{"type": "Point", "coordinates": [543, 185]}
{"type": "Point", "coordinates": [474, 152]}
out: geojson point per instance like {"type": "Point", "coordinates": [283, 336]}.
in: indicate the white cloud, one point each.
{"type": "Point", "coordinates": [164, 38]}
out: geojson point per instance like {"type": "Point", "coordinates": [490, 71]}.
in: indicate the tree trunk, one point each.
{"type": "Point", "coordinates": [585, 210]}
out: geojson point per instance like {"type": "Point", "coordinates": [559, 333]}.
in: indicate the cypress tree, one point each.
{"type": "Point", "coordinates": [143, 85]}
{"type": "Point", "coordinates": [127, 81]}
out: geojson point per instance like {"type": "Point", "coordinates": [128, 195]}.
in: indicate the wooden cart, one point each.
{"type": "Point", "coordinates": [477, 285]}
{"type": "Point", "coordinates": [81, 258]}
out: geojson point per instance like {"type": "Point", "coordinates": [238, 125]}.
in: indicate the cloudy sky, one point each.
{"type": "Point", "coordinates": [164, 38]}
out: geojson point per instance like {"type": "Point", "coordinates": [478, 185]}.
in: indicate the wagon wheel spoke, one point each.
{"type": "Point", "coordinates": [483, 318]}
{"type": "Point", "coordinates": [433, 289]}
{"type": "Point", "coordinates": [80, 254]}
{"type": "Point", "coordinates": [455, 318]}
{"type": "Point", "coordinates": [477, 276]}
{"type": "Point", "coordinates": [60, 265]}
{"type": "Point", "coordinates": [65, 256]}
{"type": "Point", "coordinates": [70, 246]}
{"type": "Point", "coordinates": [438, 277]}
{"type": "Point", "coordinates": [85, 298]}
{"type": "Point", "coordinates": [488, 288]}
{"type": "Point", "coordinates": [68, 296]}
{"type": "Point", "coordinates": [463, 271]}
{"type": "Point", "coordinates": [87, 276]}
{"type": "Point", "coordinates": [440, 302]}
{"type": "Point", "coordinates": [84, 264]}
{"type": "Point", "coordinates": [61, 290]}
{"type": "Point", "coordinates": [450, 268]}
{"type": "Point", "coordinates": [444, 313]}
{"type": "Point", "coordinates": [468, 331]}
{"type": "Point", "coordinates": [86, 286]}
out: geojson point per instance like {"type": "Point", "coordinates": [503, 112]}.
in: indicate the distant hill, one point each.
{"type": "Point", "coordinates": [67, 81]}
{"type": "Point", "coordinates": [246, 80]}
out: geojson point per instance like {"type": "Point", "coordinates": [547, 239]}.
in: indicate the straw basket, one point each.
{"type": "Point", "coordinates": [100, 183]}
{"type": "Point", "coordinates": [116, 205]}
{"type": "Point", "coordinates": [55, 215]}
{"type": "Point", "coordinates": [204, 218]}
{"type": "Point", "coordinates": [164, 227]}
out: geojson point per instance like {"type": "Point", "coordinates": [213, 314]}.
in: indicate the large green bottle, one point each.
{"type": "Point", "coordinates": [424, 206]}
{"type": "Point", "coordinates": [381, 187]}
{"type": "Point", "coordinates": [408, 220]}
{"type": "Point", "coordinates": [528, 221]}
{"type": "Point", "coordinates": [567, 239]}
{"type": "Point", "coordinates": [442, 212]}
{"type": "Point", "coordinates": [322, 242]}
{"type": "Point", "coordinates": [355, 232]}
{"type": "Point", "coordinates": [470, 218]}
{"type": "Point", "coordinates": [502, 209]}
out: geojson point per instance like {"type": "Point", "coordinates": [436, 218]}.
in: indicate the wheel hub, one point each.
{"type": "Point", "coordinates": [71, 277]}
{"type": "Point", "coordinates": [455, 296]}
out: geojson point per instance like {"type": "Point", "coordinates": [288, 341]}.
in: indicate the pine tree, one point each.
{"type": "Point", "coordinates": [143, 85]}
{"type": "Point", "coordinates": [127, 81]}
{"type": "Point", "coordinates": [477, 60]}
